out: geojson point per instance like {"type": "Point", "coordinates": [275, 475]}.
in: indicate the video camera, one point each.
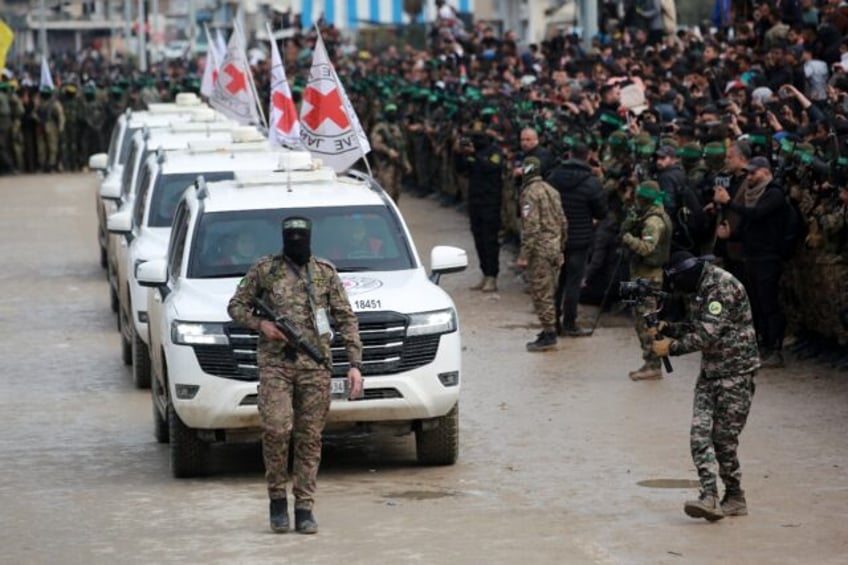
{"type": "Point", "coordinates": [637, 290]}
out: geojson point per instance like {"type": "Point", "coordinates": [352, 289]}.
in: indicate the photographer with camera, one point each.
{"type": "Point", "coordinates": [647, 235]}
{"type": "Point", "coordinates": [719, 323]}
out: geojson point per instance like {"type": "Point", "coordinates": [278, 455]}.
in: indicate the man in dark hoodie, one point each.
{"type": "Point", "coordinates": [584, 203]}
{"type": "Point", "coordinates": [681, 204]}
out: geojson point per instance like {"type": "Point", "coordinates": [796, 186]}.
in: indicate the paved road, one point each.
{"type": "Point", "coordinates": [561, 455]}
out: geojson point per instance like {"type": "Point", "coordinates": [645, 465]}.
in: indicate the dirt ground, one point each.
{"type": "Point", "coordinates": [562, 458]}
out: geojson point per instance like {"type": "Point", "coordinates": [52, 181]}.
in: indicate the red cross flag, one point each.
{"type": "Point", "coordinates": [232, 94]}
{"type": "Point", "coordinates": [330, 129]}
{"type": "Point", "coordinates": [283, 127]}
{"type": "Point", "coordinates": [210, 71]}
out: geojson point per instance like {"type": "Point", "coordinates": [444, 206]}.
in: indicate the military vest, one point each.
{"type": "Point", "coordinates": [662, 252]}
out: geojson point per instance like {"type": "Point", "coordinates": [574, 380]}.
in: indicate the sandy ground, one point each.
{"type": "Point", "coordinates": [563, 459]}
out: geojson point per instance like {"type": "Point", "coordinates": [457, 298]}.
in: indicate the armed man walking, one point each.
{"type": "Point", "coordinates": [544, 230]}
{"type": "Point", "coordinates": [647, 235]}
{"type": "Point", "coordinates": [389, 147]}
{"type": "Point", "coordinates": [294, 389]}
{"type": "Point", "coordinates": [719, 323]}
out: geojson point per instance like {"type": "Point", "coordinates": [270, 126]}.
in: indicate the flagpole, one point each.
{"type": "Point", "coordinates": [253, 89]}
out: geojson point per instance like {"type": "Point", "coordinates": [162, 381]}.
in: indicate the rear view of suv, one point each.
{"type": "Point", "coordinates": [204, 373]}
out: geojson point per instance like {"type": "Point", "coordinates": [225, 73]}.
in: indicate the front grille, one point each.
{"type": "Point", "coordinates": [385, 349]}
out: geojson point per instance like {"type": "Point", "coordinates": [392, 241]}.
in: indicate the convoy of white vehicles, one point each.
{"type": "Point", "coordinates": [197, 211]}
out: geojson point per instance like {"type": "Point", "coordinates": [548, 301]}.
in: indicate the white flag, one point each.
{"type": "Point", "coordinates": [210, 72]}
{"type": "Point", "coordinates": [330, 128]}
{"type": "Point", "coordinates": [283, 126]}
{"type": "Point", "coordinates": [220, 44]}
{"type": "Point", "coordinates": [232, 94]}
{"type": "Point", "coordinates": [46, 79]}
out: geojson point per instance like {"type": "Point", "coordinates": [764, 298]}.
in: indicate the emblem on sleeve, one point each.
{"type": "Point", "coordinates": [714, 308]}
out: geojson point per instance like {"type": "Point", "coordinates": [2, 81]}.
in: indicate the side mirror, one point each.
{"type": "Point", "coordinates": [446, 259]}
{"type": "Point", "coordinates": [98, 162]}
{"type": "Point", "coordinates": [111, 187]}
{"type": "Point", "coordinates": [152, 273]}
{"type": "Point", "coordinates": [120, 222]}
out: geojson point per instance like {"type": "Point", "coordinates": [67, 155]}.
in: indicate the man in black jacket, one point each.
{"type": "Point", "coordinates": [761, 208]}
{"type": "Point", "coordinates": [583, 202]}
{"type": "Point", "coordinates": [681, 203]}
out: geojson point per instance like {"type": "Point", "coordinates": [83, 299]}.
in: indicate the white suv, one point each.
{"type": "Point", "coordinates": [204, 385]}
{"type": "Point", "coordinates": [146, 224]}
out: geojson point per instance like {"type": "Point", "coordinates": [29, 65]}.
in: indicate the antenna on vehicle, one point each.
{"type": "Point", "coordinates": [202, 191]}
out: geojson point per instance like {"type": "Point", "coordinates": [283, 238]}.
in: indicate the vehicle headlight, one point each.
{"type": "Point", "coordinates": [197, 333]}
{"type": "Point", "coordinates": [428, 323]}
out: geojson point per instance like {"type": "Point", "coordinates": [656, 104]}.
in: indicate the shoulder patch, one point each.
{"type": "Point", "coordinates": [714, 307]}
{"type": "Point", "coordinates": [525, 210]}
{"type": "Point", "coordinates": [495, 158]}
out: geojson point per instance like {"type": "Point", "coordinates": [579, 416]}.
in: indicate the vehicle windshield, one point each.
{"type": "Point", "coordinates": [362, 238]}
{"type": "Point", "coordinates": [113, 146]}
{"type": "Point", "coordinates": [126, 145]}
{"type": "Point", "coordinates": [169, 189]}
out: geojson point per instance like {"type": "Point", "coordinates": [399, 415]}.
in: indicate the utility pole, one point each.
{"type": "Point", "coordinates": [142, 40]}
{"type": "Point", "coordinates": [192, 28]}
{"type": "Point", "coordinates": [154, 27]}
{"type": "Point", "coordinates": [42, 32]}
{"type": "Point", "coordinates": [589, 20]}
{"type": "Point", "coordinates": [127, 27]}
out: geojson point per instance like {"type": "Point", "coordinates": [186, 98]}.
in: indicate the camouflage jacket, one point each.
{"type": "Point", "coordinates": [386, 137]}
{"type": "Point", "coordinates": [544, 227]}
{"type": "Point", "coordinates": [719, 324]}
{"type": "Point", "coordinates": [648, 238]}
{"type": "Point", "coordinates": [835, 230]}
{"type": "Point", "coordinates": [284, 288]}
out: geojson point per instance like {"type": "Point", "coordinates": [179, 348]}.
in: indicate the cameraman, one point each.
{"type": "Point", "coordinates": [647, 234]}
{"type": "Point", "coordinates": [719, 323]}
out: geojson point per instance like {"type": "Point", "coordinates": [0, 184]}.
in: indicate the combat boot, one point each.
{"type": "Point", "coordinates": [279, 515]}
{"type": "Point", "coordinates": [706, 507]}
{"type": "Point", "coordinates": [571, 330]}
{"type": "Point", "coordinates": [479, 285]}
{"type": "Point", "coordinates": [773, 360]}
{"type": "Point", "coordinates": [304, 522]}
{"type": "Point", "coordinates": [545, 341]}
{"type": "Point", "coordinates": [490, 284]}
{"type": "Point", "coordinates": [646, 373]}
{"type": "Point", "coordinates": [733, 504]}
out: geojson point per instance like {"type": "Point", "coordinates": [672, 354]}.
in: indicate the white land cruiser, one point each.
{"type": "Point", "coordinates": [146, 224]}
{"type": "Point", "coordinates": [144, 142]}
{"type": "Point", "coordinates": [204, 384]}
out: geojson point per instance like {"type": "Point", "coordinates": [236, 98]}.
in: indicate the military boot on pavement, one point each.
{"type": "Point", "coordinates": [706, 507]}
{"type": "Point", "coordinates": [773, 360]}
{"type": "Point", "coordinates": [304, 522]}
{"type": "Point", "coordinates": [490, 284]}
{"type": "Point", "coordinates": [733, 504]}
{"type": "Point", "coordinates": [479, 285]}
{"type": "Point", "coordinates": [545, 341]}
{"type": "Point", "coordinates": [572, 330]}
{"type": "Point", "coordinates": [279, 515]}
{"type": "Point", "coordinates": [646, 373]}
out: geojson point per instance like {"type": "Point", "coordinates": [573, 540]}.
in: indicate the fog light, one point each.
{"type": "Point", "coordinates": [450, 378]}
{"type": "Point", "coordinates": [187, 392]}
{"type": "Point", "coordinates": [142, 317]}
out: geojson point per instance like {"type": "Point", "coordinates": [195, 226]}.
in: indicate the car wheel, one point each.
{"type": "Point", "coordinates": [439, 445]}
{"type": "Point", "coordinates": [160, 421]}
{"type": "Point", "coordinates": [140, 363]}
{"type": "Point", "coordinates": [126, 345]}
{"type": "Point", "coordinates": [103, 261]}
{"type": "Point", "coordinates": [188, 452]}
{"type": "Point", "coordinates": [113, 298]}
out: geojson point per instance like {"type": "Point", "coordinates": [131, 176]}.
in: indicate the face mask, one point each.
{"type": "Point", "coordinates": [687, 281]}
{"type": "Point", "coordinates": [297, 245]}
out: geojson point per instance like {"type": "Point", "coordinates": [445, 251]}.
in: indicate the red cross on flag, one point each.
{"type": "Point", "coordinates": [283, 127]}
{"type": "Point", "coordinates": [330, 128]}
{"type": "Point", "coordinates": [232, 93]}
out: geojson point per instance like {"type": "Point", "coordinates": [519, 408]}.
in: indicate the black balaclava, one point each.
{"type": "Point", "coordinates": [683, 271]}
{"type": "Point", "coordinates": [297, 236]}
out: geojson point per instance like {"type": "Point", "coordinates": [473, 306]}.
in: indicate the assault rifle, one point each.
{"type": "Point", "coordinates": [635, 292]}
{"type": "Point", "coordinates": [294, 338]}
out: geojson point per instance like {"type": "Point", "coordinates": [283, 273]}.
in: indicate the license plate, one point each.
{"type": "Point", "coordinates": [339, 388]}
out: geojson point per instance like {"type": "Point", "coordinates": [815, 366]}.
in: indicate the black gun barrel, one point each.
{"type": "Point", "coordinates": [293, 335]}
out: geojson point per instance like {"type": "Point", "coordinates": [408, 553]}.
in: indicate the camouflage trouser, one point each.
{"type": "Point", "coordinates": [649, 304]}
{"type": "Point", "coordinates": [47, 146]}
{"type": "Point", "coordinates": [719, 414]}
{"type": "Point", "coordinates": [389, 177]}
{"type": "Point", "coordinates": [293, 405]}
{"type": "Point", "coordinates": [542, 273]}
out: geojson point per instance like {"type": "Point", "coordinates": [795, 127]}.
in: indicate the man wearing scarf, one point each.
{"type": "Point", "coordinates": [760, 230]}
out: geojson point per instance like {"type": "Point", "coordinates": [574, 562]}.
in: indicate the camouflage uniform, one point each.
{"type": "Point", "coordinates": [543, 234]}
{"type": "Point", "coordinates": [71, 158]}
{"type": "Point", "coordinates": [51, 117]}
{"type": "Point", "coordinates": [294, 390]}
{"type": "Point", "coordinates": [387, 142]}
{"type": "Point", "coordinates": [92, 125]}
{"type": "Point", "coordinates": [7, 160]}
{"type": "Point", "coordinates": [720, 325]}
{"type": "Point", "coordinates": [647, 234]}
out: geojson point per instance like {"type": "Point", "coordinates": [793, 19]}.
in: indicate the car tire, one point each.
{"type": "Point", "coordinates": [440, 444]}
{"type": "Point", "coordinates": [188, 452]}
{"type": "Point", "coordinates": [103, 261]}
{"type": "Point", "coordinates": [126, 345]}
{"type": "Point", "coordinates": [113, 298]}
{"type": "Point", "coordinates": [160, 422]}
{"type": "Point", "coordinates": [140, 363]}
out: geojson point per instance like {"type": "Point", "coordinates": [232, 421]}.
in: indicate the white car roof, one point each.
{"type": "Point", "coordinates": [320, 187]}
{"type": "Point", "coordinates": [187, 161]}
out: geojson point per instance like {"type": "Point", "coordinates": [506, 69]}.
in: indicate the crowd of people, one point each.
{"type": "Point", "coordinates": [737, 141]}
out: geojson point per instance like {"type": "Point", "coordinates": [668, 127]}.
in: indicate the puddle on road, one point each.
{"type": "Point", "coordinates": [669, 483]}
{"type": "Point", "coordinates": [420, 494]}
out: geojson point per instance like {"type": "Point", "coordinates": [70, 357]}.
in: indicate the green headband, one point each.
{"type": "Point", "coordinates": [296, 224]}
{"type": "Point", "coordinates": [645, 191]}
{"type": "Point", "coordinates": [689, 153]}
{"type": "Point", "coordinates": [713, 150]}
